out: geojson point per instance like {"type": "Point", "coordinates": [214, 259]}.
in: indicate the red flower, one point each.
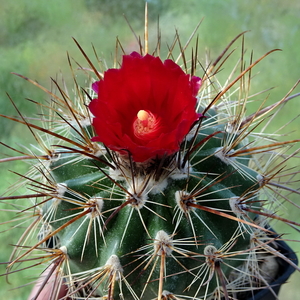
{"type": "Point", "coordinates": [146, 107]}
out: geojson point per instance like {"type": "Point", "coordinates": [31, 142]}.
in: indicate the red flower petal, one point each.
{"type": "Point", "coordinates": [145, 108]}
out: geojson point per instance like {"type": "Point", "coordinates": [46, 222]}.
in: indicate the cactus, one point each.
{"type": "Point", "coordinates": [160, 190]}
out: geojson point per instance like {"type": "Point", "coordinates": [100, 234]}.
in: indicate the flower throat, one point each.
{"type": "Point", "coordinates": [144, 124]}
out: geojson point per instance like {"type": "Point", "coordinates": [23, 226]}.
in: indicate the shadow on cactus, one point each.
{"type": "Point", "coordinates": [155, 184]}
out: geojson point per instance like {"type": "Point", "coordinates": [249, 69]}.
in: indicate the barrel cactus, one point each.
{"type": "Point", "coordinates": [153, 183]}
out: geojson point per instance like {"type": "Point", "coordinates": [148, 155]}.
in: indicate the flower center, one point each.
{"type": "Point", "coordinates": [144, 124]}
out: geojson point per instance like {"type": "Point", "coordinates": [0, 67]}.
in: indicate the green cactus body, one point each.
{"type": "Point", "coordinates": [138, 220]}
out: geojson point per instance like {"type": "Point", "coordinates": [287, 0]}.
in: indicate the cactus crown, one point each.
{"type": "Point", "coordinates": [166, 194]}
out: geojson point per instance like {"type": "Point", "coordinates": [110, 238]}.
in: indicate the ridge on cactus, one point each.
{"type": "Point", "coordinates": [155, 184]}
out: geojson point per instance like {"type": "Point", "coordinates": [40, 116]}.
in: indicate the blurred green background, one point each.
{"type": "Point", "coordinates": [36, 35]}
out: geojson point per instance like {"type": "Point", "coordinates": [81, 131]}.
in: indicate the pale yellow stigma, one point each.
{"type": "Point", "coordinates": [144, 124]}
{"type": "Point", "coordinates": [143, 115]}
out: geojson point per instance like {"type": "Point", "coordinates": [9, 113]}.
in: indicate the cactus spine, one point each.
{"type": "Point", "coordinates": [188, 225]}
